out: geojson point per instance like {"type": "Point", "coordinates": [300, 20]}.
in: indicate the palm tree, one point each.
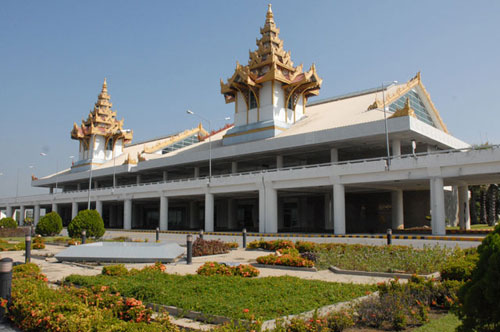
{"type": "Point", "coordinates": [483, 212]}
{"type": "Point", "coordinates": [472, 204]}
{"type": "Point", "coordinates": [491, 200]}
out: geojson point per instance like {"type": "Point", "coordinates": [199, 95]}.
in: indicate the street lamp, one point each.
{"type": "Point", "coordinates": [209, 142]}
{"type": "Point", "coordinates": [385, 124]}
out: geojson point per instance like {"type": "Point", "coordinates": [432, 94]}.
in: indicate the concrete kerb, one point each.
{"type": "Point", "coordinates": [283, 267]}
{"type": "Point", "coordinates": [336, 270]}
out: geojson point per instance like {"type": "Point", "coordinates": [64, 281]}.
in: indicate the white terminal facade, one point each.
{"type": "Point", "coordinates": [287, 164]}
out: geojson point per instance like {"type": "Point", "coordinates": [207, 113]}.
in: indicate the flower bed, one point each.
{"type": "Point", "coordinates": [209, 247]}
{"type": "Point", "coordinates": [265, 298]}
{"type": "Point", "coordinates": [270, 245]}
{"type": "Point", "coordinates": [213, 268]}
{"type": "Point", "coordinates": [36, 307]}
{"type": "Point", "coordinates": [285, 260]}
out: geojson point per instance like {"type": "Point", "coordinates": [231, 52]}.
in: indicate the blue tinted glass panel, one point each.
{"type": "Point", "coordinates": [182, 143]}
{"type": "Point", "coordinates": [415, 103]}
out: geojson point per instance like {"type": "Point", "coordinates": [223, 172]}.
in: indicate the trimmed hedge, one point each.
{"type": "Point", "coordinates": [8, 222]}
{"type": "Point", "coordinates": [88, 220]}
{"type": "Point", "coordinates": [49, 225]}
{"type": "Point", "coordinates": [214, 268]}
{"type": "Point", "coordinates": [209, 247]}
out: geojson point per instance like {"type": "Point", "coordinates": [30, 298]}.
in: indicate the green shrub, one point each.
{"type": "Point", "coordinates": [285, 260]}
{"type": "Point", "coordinates": [8, 222]}
{"type": "Point", "coordinates": [271, 245]}
{"type": "Point", "coordinates": [88, 220]}
{"type": "Point", "coordinates": [213, 268]}
{"type": "Point", "coordinates": [305, 246]}
{"type": "Point", "coordinates": [49, 225]}
{"type": "Point", "coordinates": [479, 307]}
{"type": "Point", "coordinates": [115, 270]}
{"type": "Point", "coordinates": [460, 266]}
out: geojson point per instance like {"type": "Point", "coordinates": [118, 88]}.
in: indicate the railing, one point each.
{"type": "Point", "coordinates": [284, 169]}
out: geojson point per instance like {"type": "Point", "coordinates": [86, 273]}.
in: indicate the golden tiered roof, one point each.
{"type": "Point", "coordinates": [270, 62]}
{"type": "Point", "coordinates": [101, 121]}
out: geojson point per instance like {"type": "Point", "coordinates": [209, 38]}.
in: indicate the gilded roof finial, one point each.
{"type": "Point", "coordinates": [269, 15]}
{"type": "Point", "coordinates": [104, 86]}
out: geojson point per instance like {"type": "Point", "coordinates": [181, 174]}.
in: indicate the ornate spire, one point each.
{"type": "Point", "coordinates": [270, 62]}
{"type": "Point", "coordinates": [101, 121]}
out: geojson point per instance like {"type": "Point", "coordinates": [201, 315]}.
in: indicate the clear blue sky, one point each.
{"type": "Point", "coordinates": [163, 57]}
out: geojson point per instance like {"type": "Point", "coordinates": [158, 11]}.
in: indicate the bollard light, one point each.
{"type": "Point", "coordinates": [157, 234]}
{"type": "Point", "coordinates": [201, 234]}
{"type": "Point", "coordinates": [5, 282]}
{"type": "Point", "coordinates": [84, 236]}
{"type": "Point", "coordinates": [389, 236]}
{"type": "Point", "coordinates": [244, 234]}
{"type": "Point", "coordinates": [189, 244]}
{"type": "Point", "coordinates": [27, 254]}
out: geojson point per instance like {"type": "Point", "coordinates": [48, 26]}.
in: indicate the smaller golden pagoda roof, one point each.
{"type": "Point", "coordinates": [270, 62]}
{"type": "Point", "coordinates": [102, 121]}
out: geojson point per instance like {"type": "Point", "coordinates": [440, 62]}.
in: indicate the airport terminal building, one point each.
{"type": "Point", "coordinates": [360, 162]}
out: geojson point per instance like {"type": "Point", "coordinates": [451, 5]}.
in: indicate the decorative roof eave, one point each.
{"type": "Point", "coordinates": [416, 81]}
{"type": "Point", "coordinates": [130, 161]}
{"type": "Point", "coordinates": [176, 138]}
{"type": "Point", "coordinates": [405, 111]}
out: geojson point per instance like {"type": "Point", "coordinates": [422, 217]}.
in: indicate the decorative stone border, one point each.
{"type": "Point", "coordinates": [284, 267]}
{"type": "Point", "coordinates": [336, 270]}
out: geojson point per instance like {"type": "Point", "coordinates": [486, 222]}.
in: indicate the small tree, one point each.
{"type": "Point", "coordinates": [49, 225]}
{"type": "Point", "coordinates": [479, 307]}
{"type": "Point", "coordinates": [88, 220]}
{"type": "Point", "coordinates": [8, 222]}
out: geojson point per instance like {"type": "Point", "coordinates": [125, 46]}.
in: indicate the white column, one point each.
{"type": "Point", "coordinates": [463, 207]}
{"type": "Point", "coordinates": [271, 210]}
{"type": "Point", "coordinates": [279, 161]}
{"type": "Point", "coordinates": [98, 207]}
{"type": "Point", "coordinates": [334, 155]}
{"type": "Point", "coordinates": [54, 207]}
{"type": "Point", "coordinates": [37, 214]}
{"type": "Point", "coordinates": [328, 212]}
{"type": "Point", "coordinates": [396, 147]}
{"type": "Point", "coordinates": [196, 172]}
{"type": "Point", "coordinates": [163, 213]}
{"type": "Point", "coordinates": [74, 210]}
{"type": "Point", "coordinates": [112, 217]}
{"type": "Point", "coordinates": [8, 212]}
{"type": "Point", "coordinates": [437, 207]}
{"type": "Point", "coordinates": [165, 175]}
{"type": "Point", "coordinates": [21, 215]}
{"type": "Point", "coordinates": [262, 210]}
{"type": "Point", "coordinates": [127, 214]}
{"type": "Point", "coordinates": [338, 208]}
{"type": "Point", "coordinates": [397, 209]}
{"type": "Point", "coordinates": [234, 167]}
{"type": "Point", "coordinates": [138, 179]}
{"type": "Point", "coordinates": [209, 212]}
{"type": "Point", "coordinates": [96, 184]}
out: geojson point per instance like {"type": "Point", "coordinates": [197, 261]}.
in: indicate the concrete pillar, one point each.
{"type": "Point", "coordinates": [463, 207]}
{"type": "Point", "coordinates": [54, 207]}
{"type": "Point", "coordinates": [8, 212]}
{"type": "Point", "coordinates": [74, 210]}
{"type": "Point", "coordinates": [193, 214]}
{"type": "Point", "coordinates": [279, 161]}
{"type": "Point", "coordinates": [234, 167]}
{"type": "Point", "coordinates": [51, 190]}
{"type": "Point", "coordinates": [138, 179]}
{"type": "Point", "coordinates": [127, 214]}
{"type": "Point", "coordinates": [230, 214]}
{"type": "Point", "coordinates": [271, 210]}
{"type": "Point", "coordinates": [328, 212]}
{"type": "Point", "coordinates": [36, 214]}
{"type": "Point", "coordinates": [96, 184]}
{"type": "Point", "coordinates": [209, 212]}
{"type": "Point", "coordinates": [98, 207]}
{"type": "Point", "coordinates": [262, 210]}
{"type": "Point", "coordinates": [21, 215]}
{"type": "Point", "coordinates": [396, 147]}
{"type": "Point", "coordinates": [438, 217]}
{"type": "Point", "coordinates": [78, 186]}
{"type": "Point", "coordinates": [431, 148]}
{"type": "Point", "coordinates": [196, 172]}
{"type": "Point", "coordinates": [334, 155]}
{"type": "Point", "coordinates": [339, 208]}
{"type": "Point", "coordinates": [163, 213]}
{"type": "Point", "coordinates": [397, 209]}
{"type": "Point", "coordinates": [165, 175]}
{"type": "Point", "coordinates": [112, 221]}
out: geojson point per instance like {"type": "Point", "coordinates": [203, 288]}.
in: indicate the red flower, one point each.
{"type": "Point", "coordinates": [245, 310]}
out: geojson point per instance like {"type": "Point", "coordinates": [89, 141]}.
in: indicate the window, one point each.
{"type": "Point", "coordinates": [252, 101]}
{"type": "Point", "coordinates": [109, 146]}
{"type": "Point", "coordinates": [290, 103]}
{"type": "Point", "coordinates": [416, 104]}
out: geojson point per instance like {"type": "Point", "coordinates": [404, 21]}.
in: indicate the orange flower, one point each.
{"type": "Point", "coordinates": [245, 310]}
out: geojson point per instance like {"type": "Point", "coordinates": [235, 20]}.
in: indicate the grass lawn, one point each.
{"type": "Point", "coordinates": [447, 323]}
{"type": "Point", "coordinates": [266, 298]}
{"type": "Point", "coordinates": [384, 258]}
{"type": "Point", "coordinates": [475, 226]}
